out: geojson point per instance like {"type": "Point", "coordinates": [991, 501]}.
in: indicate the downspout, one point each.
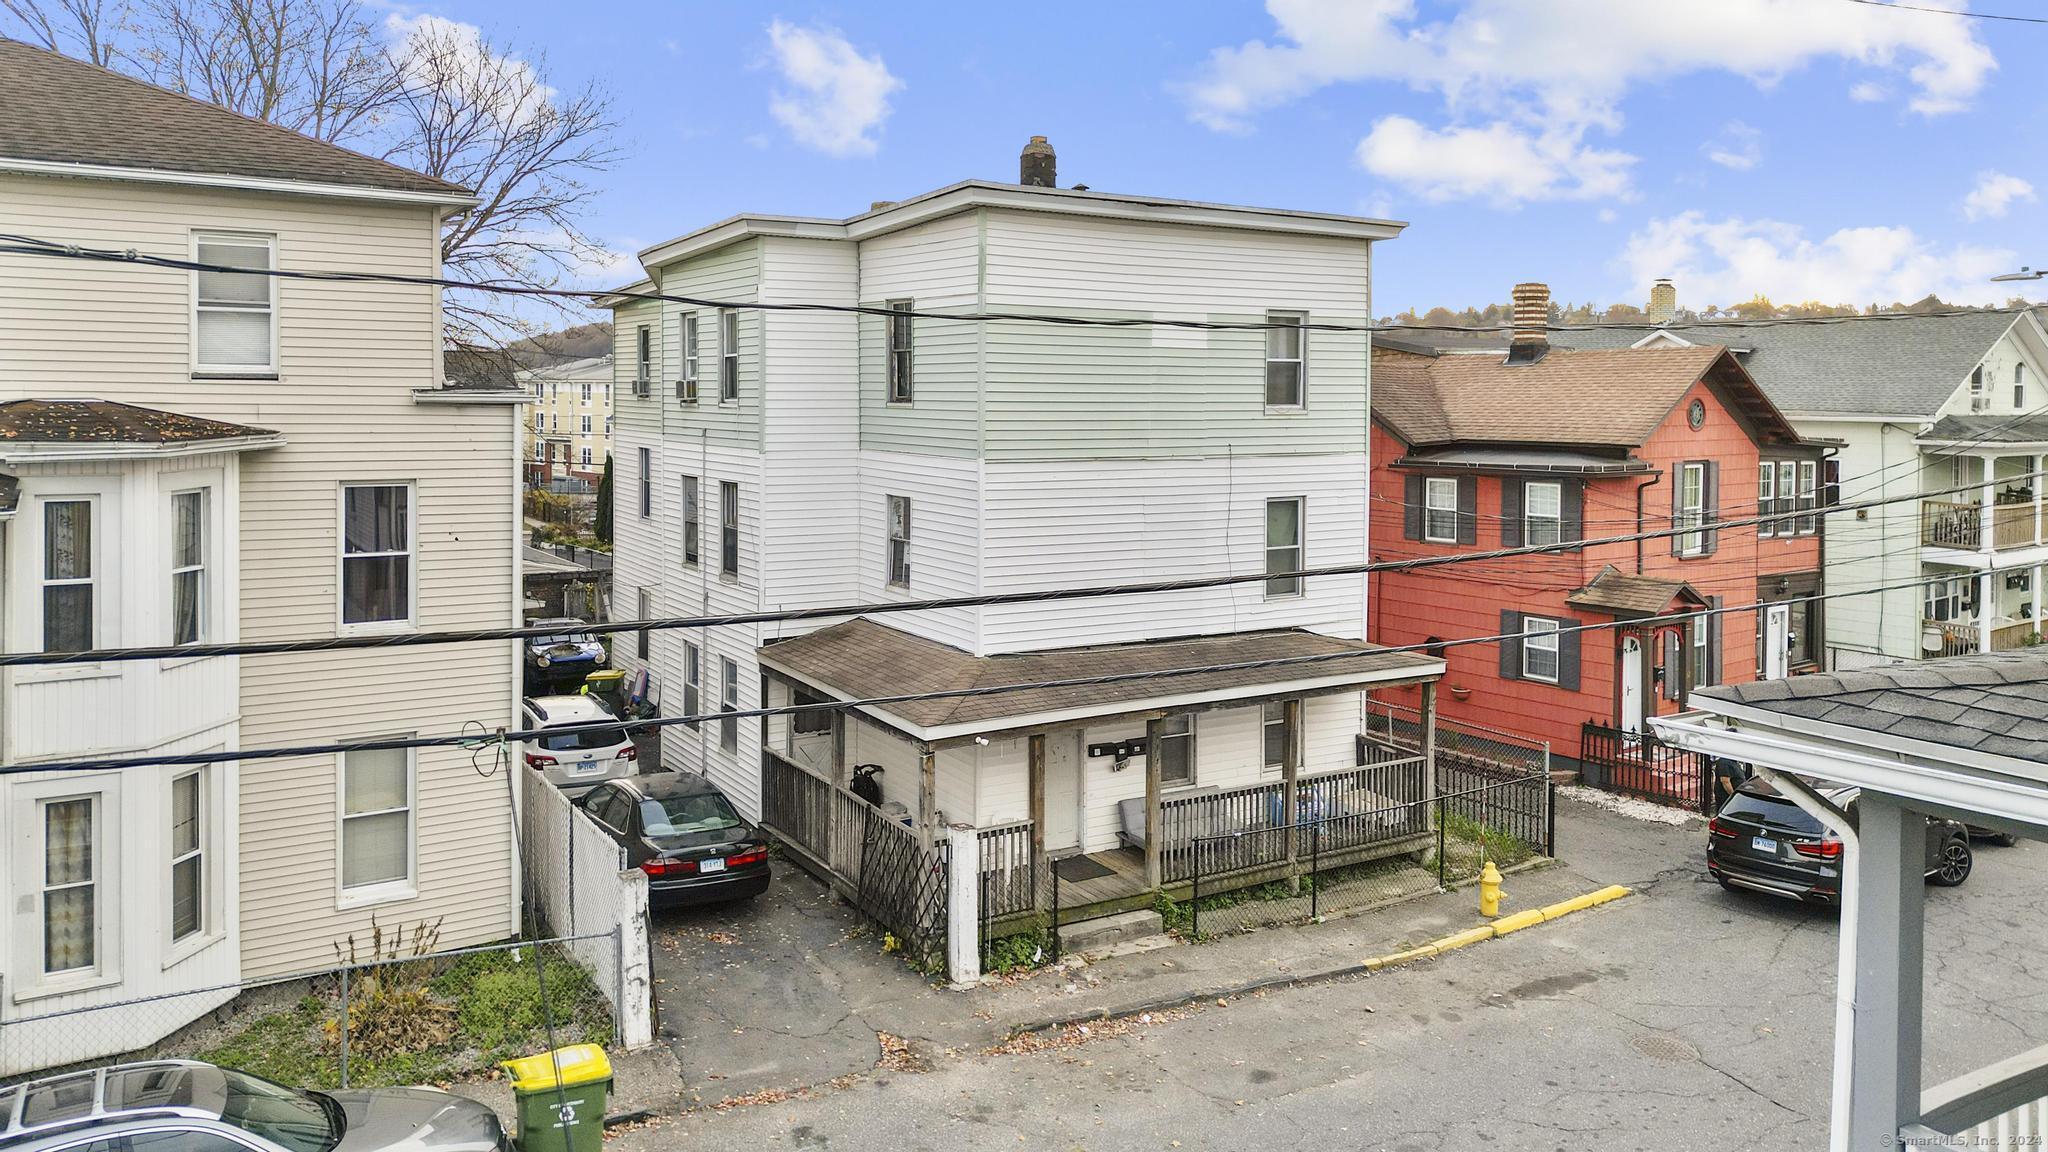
{"type": "Point", "coordinates": [1820, 587]}
{"type": "Point", "coordinates": [1652, 482]}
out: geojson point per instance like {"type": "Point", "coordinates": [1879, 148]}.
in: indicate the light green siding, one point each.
{"type": "Point", "coordinates": [729, 273]}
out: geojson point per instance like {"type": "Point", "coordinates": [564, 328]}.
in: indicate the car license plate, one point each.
{"type": "Point", "coordinates": [714, 864]}
{"type": "Point", "coordinates": [1764, 844]}
{"type": "Point", "coordinates": [586, 766]}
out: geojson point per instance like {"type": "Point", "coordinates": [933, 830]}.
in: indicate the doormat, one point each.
{"type": "Point", "coordinates": [1075, 869]}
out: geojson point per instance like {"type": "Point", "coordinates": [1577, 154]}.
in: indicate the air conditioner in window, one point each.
{"type": "Point", "coordinates": [686, 391]}
{"type": "Point", "coordinates": [642, 385]}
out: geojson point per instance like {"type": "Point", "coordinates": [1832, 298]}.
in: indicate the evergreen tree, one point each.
{"type": "Point", "coordinates": [601, 524]}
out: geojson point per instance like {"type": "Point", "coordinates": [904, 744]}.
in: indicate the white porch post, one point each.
{"type": "Point", "coordinates": [840, 773]}
{"type": "Point", "coordinates": [1429, 740]}
{"type": "Point", "coordinates": [2034, 588]}
{"type": "Point", "coordinates": [1889, 894]}
{"type": "Point", "coordinates": [963, 906]}
{"type": "Point", "coordinates": [1984, 612]}
{"type": "Point", "coordinates": [1985, 496]}
{"type": "Point", "coordinates": [2040, 470]}
{"type": "Point", "coordinates": [1152, 829]}
{"type": "Point", "coordinates": [927, 795]}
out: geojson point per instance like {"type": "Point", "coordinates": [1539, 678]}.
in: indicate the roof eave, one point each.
{"type": "Point", "coordinates": [471, 396]}
{"type": "Point", "coordinates": [226, 181]}
{"type": "Point", "coordinates": [64, 451]}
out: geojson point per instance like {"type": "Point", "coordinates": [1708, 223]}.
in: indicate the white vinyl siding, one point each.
{"type": "Point", "coordinates": [1542, 513]}
{"type": "Point", "coordinates": [1286, 360]}
{"type": "Point", "coordinates": [1539, 649]}
{"type": "Point", "coordinates": [1440, 510]}
{"type": "Point", "coordinates": [234, 314]}
{"type": "Point", "coordinates": [376, 825]}
{"type": "Point", "coordinates": [1284, 532]}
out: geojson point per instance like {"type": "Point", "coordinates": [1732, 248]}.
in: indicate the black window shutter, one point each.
{"type": "Point", "coordinates": [1713, 671]}
{"type": "Point", "coordinates": [1674, 662]}
{"type": "Point", "coordinates": [1568, 655]}
{"type": "Point", "coordinates": [1468, 509]}
{"type": "Point", "coordinates": [1711, 492]}
{"type": "Point", "coordinates": [1677, 478]}
{"type": "Point", "coordinates": [1510, 512]}
{"type": "Point", "coordinates": [1511, 647]}
{"type": "Point", "coordinates": [1411, 509]}
{"type": "Point", "coordinates": [1571, 508]}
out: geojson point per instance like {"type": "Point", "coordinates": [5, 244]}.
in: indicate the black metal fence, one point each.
{"type": "Point", "coordinates": [1640, 765]}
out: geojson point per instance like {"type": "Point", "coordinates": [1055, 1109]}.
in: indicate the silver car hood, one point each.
{"type": "Point", "coordinates": [415, 1120]}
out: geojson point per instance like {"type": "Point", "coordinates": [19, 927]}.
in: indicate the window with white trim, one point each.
{"type": "Point", "coordinates": [234, 312]}
{"type": "Point", "coordinates": [899, 542]}
{"type": "Point", "coordinates": [643, 359]}
{"type": "Point", "coordinates": [376, 553]}
{"type": "Point", "coordinates": [1542, 512]}
{"type": "Point", "coordinates": [693, 529]}
{"type": "Point", "coordinates": [1539, 649]}
{"type": "Point", "coordinates": [70, 884]}
{"type": "Point", "coordinates": [2019, 387]}
{"type": "Point", "coordinates": [586, 400]}
{"type": "Point", "coordinates": [729, 726]}
{"type": "Point", "coordinates": [586, 457]}
{"type": "Point", "coordinates": [586, 424]}
{"type": "Point", "coordinates": [376, 819]}
{"type": "Point", "coordinates": [902, 329]}
{"type": "Point", "coordinates": [1692, 509]}
{"type": "Point", "coordinates": [1177, 750]}
{"type": "Point", "coordinates": [70, 593]}
{"type": "Point", "coordinates": [1286, 359]}
{"type": "Point", "coordinates": [1277, 735]}
{"type": "Point", "coordinates": [188, 566]}
{"type": "Point", "coordinates": [1699, 673]}
{"type": "Point", "coordinates": [728, 528]}
{"type": "Point", "coordinates": [693, 678]}
{"type": "Point", "coordinates": [1440, 510]}
{"type": "Point", "coordinates": [813, 720]}
{"type": "Point", "coordinates": [1809, 493]}
{"type": "Point", "coordinates": [1980, 392]}
{"type": "Point", "coordinates": [728, 356]}
{"type": "Point", "coordinates": [690, 358]}
{"type": "Point", "coordinates": [644, 606]}
{"type": "Point", "coordinates": [646, 458]}
{"type": "Point", "coordinates": [188, 856]}
{"type": "Point", "coordinates": [1283, 546]}
{"type": "Point", "coordinates": [1945, 600]}
{"type": "Point", "coordinates": [1766, 497]}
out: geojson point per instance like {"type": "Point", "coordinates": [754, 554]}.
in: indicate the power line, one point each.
{"type": "Point", "coordinates": [1952, 12]}
{"type": "Point", "coordinates": [415, 639]}
{"type": "Point", "coordinates": [497, 737]}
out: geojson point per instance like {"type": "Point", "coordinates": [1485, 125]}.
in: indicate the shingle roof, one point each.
{"type": "Point", "coordinates": [1989, 430]}
{"type": "Point", "coordinates": [1615, 591]}
{"type": "Point", "coordinates": [1996, 704]}
{"type": "Point", "coordinates": [109, 422]}
{"type": "Point", "coordinates": [65, 111]}
{"type": "Point", "coordinates": [1613, 397]}
{"type": "Point", "coordinates": [866, 659]}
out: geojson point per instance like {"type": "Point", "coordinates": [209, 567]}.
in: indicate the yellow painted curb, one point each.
{"type": "Point", "coordinates": [1394, 959]}
{"type": "Point", "coordinates": [1518, 921]}
{"type": "Point", "coordinates": [1501, 927]}
{"type": "Point", "coordinates": [1468, 936]}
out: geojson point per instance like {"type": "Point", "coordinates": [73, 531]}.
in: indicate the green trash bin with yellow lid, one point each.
{"type": "Point", "coordinates": [561, 1097]}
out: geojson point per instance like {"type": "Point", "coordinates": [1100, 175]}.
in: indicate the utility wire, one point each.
{"type": "Point", "coordinates": [621, 726]}
{"type": "Point", "coordinates": [415, 639]}
{"type": "Point", "coordinates": [1951, 12]}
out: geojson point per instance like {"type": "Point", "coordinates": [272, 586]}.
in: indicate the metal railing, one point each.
{"type": "Point", "coordinates": [1394, 730]}
{"type": "Point", "coordinates": [1639, 764]}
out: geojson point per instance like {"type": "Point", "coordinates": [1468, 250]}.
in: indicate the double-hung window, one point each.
{"type": "Point", "coordinates": [1283, 546]}
{"type": "Point", "coordinates": [693, 678]}
{"type": "Point", "coordinates": [1766, 497]}
{"type": "Point", "coordinates": [188, 858]}
{"type": "Point", "coordinates": [70, 885]}
{"type": "Point", "coordinates": [376, 553]}
{"type": "Point", "coordinates": [1440, 510]}
{"type": "Point", "coordinates": [901, 329]}
{"type": "Point", "coordinates": [728, 528]}
{"type": "Point", "coordinates": [1980, 391]}
{"type": "Point", "coordinates": [643, 361]}
{"type": "Point", "coordinates": [1692, 509]}
{"type": "Point", "coordinates": [729, 726]}
{"type": "Point", "coordinates": [376, 819]}
{"type": "Point", "coordinates": [1809, 493]}
{"type": "Point", "coordinates": [234, 312]}
{"type": "Point", "coordinates": [1177, 750]}
{"type": "Point", "coordinates": [1788, 497]}
{"type": "Point", "coordinates": [1278, 734]}
{"type": "Point", "coordinates": [688, 394]}
{"type": "Point", "coordinates": [899, 542]}
{"type": "Point", "coordinates": [70, 595]}
{"type": "Point", "coordinates": [1539, 649]}
{"type": "Point", "coordinates": [646, 457]}
{"type": "Point", "coordinates": [188, 566]}
{"type": "Point", "coordinates": [728, 356]}
{"type": "Point", "coordinates": [1700, 674]}
{"type": "Point", "coordinates": [1286, 359]}
{"type": "Point", "coordinates": [586, 424]}
{"type": "Point", "coordinates": [692, 529]}
{"type": "Point", "coordinates": [2019, 387]}
{"type": "Point", "coordinates": [586, 399]}
{"type": "Point", "coordinates": [1542, 512]}
{"type": "Point", "coordinates": [644, 609]}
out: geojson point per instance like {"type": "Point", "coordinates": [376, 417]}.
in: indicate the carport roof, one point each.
{"type": "Point", "coordinates": [862, 659]}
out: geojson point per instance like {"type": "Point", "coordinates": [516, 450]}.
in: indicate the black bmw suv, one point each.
{"type": "Point", "coordinates": [1764, 842]}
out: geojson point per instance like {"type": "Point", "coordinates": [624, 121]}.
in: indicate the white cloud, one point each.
{"type": "Point", "coordinates": [1730, 260]}
{"type": "Point", "coordinates": [1995, 193]}
{"type": "Point", "coordinates": [1739, 146]}
{"type": "Point", "coordinates": [1498, 162]}
{"type": "Point", "coordinates": [1869, 92]}
{"type": "Point", "coordinates": [837, 98]}
{"type": "Point", "coordinates": [1561, 68]}
{"type": "Point", "coordinates": [448, 53]}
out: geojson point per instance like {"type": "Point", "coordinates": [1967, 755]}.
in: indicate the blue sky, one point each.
{"type": "Point", "coordinates": [1818, 149]}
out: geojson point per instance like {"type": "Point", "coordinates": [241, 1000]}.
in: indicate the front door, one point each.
{"type": "Point", "coordinates": [1631, 684]}
{"type": "Point", "coordinates": [1777, 640]}
{"type": "Point", "coordinates": [1062, 792]}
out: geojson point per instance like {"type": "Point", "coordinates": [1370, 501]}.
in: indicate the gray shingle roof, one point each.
{"type": "Point", "coordinates": [1615, 591]}
{"type": "Point", "coordinates": [1996, 704]}
{"type": "Point", "coordinates": [1989, 430]}
{"type": "Point", "coordinates": [109, 422]}
{"type": "Point", "coordinates": [65, 111]}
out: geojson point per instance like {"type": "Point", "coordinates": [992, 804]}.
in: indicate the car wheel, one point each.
{"type": "Point", "coordinates": [1955, 864]}
{"type": "Point", "coordinates": [2004, 839]}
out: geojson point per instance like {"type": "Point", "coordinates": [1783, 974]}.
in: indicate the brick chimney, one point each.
{"type": "Point", "coordinates": [1035, 166]}
{"type": "Point", "coordinates": [1531, 335]}
{"type": "Point", "coordinates": [1663, 300]}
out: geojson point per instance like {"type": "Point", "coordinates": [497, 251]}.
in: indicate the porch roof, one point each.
{"type": "Point", "coordinates": [861, 659]}
{"type": "Point", "coordinates": [1616, 592]}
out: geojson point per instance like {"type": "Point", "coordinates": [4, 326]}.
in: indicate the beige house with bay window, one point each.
{"type": "Point", "coordinates": [216, 456]}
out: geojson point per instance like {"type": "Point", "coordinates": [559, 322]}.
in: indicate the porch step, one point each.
{"type": "Point", "coordinates": [1109, 931]}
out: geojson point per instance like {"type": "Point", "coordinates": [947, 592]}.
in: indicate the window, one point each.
{"type": "Point", "coordinates": [586, 457]}
{"type": "Point", "coordinates": [376, 818]}
{"type": "Point", "coordinates": [1177, 750]}
{"type": "Point", "coordinates": [70, 885]}
{"type": "Point", "coordinates": [376, 553]}
{"type": "Point", "coordinates": [1286, 359]}
{"type": "Point", "coordinates": [1788, 497]}
{"type": "Point", "coordinates": [1279, 735]}
{"type": "Point", "coordinates": [1539, 649]}
{"type": "Point", "coordinates": [1283, 546]}
{"type": "Point", "coordinates": [729, 727]}
{"type": "Point", "coordinates": [691, 527]}
{"type": "Point", "coordinates": [1440, 510]}
{"type": "Point", "coordinates": [1980, 395]}
{"type": "Point", "coordinates": [188, 567]}
{"type": "Point", "coordinates": [1809, 487]}
{"type": "Point", "coordinates": [540, 450]}
{"type": "Point", "coordinates": [901, 324]}
{"type": "Point", "coordinates": [234, 313]}
{"type": "Point", "coordinates": [728, 528]}
{"type": "Point", "coordinates": [586, 399]}
{"type": "Point", "coordinates": [899, 541]}
{"type": "Point", "coordinates": [540, 422]}
{"type": "Point", "coordinates": [1542, 513]}
{"type": "Point", "coordinates": [693, 678]}
{"type": "Point", "coordinates": [645, 609]}
{"type": "Point", "coordinates": [812, 721]}
{"type": "Point", "coordinates": [1766, 497]}
{"type": "Point", "coordinates": [646, 457]}
{"type": "Point", "coordinates": [69, 594]}
{"type": "Point", "coordinates": [728, 356]}
{"type": "Point", "coordinates": [188, 864]}
{"type": "Point", "coordinates": [607, 426]}
{"type": "Point", "coordinates": [1692, 509]}
{"type": "Point", "coordinates": [554, 421]}
{"type": "Point", "coordinates": [1698, 673]}
{"type": "Point", "coordinates": [586, 424]}
{"type": "Point", "coordinates": [643, 357]}
{"type": "Point", "coordinates": [2019, 387]}
{"type": "Point", "coordinates": [689, 392]}
{"type": "Point", "coordinates": [1945, 599]}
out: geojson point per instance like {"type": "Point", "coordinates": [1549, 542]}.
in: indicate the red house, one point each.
{"type": "Point", "coordinates": [1483, 450]}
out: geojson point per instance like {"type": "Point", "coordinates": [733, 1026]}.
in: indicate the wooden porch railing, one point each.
{"type": "Point", "coordinates": [1951, 524]}
{"type": "Point", "coordinates": [1960, 639]}
{"type": "Point", "coordinates": [1386, 786]}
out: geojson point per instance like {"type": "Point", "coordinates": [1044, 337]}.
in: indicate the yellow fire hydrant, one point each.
{"type": "Point", "coordinates": [1489, 890]}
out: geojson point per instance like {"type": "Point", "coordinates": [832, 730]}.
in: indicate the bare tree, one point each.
{"type": "Point", "coordinates": [87, 29]}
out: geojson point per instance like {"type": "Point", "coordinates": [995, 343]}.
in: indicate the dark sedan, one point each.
{"type": "Point", "coordinates": [1764, 842]}
{"type": "Point", "coordinates": [680, 830]}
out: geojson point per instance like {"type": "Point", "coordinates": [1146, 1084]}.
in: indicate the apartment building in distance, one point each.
{"type": "Point", "coordinates": [569, 423]}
